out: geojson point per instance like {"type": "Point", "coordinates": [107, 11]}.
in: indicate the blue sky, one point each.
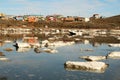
{"type": "Point", "coordinates": [84, 8]}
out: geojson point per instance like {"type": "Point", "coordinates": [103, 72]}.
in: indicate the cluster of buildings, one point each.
{"type": "Point", "coordinates": [55, 18]}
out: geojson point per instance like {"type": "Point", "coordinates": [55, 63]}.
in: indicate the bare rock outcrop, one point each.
{"type": "Point", "coordinates": [98, 67]}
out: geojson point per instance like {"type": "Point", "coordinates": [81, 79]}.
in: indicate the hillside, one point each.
{"type": "Point", "coordinates": [109, 22]}
{"type": "Point", "coordinates": [102, 23]}
{"type": "Point", "coordinates": [114, 19]}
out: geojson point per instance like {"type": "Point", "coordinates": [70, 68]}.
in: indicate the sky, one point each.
{"type": "Point", "coordinates": [83, 8]}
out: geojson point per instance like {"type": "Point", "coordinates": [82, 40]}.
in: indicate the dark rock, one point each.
{"type": "Point", "coordinates": [37, 50]}
{"type": "Point", "coordinates": [1, 54]}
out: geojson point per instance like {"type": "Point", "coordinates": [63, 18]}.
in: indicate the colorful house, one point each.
{"type": "Point", "coordinates": [19, 18]}
{"type": "Point", "coordinates": [32, 19]}
{"type": "Point", "coordinates": [68, 19]}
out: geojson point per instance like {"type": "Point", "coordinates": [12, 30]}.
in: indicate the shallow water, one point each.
{"type": "Point", "coordinates": [45, 66]}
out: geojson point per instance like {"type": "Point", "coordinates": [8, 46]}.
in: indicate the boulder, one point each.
{"type": "Point", "coordinates": [61, 43]}
{"type": "Point", "coordinates": [1, 54]}
{"type": "Point", "coordinates": [98, 67]}
{"type": "Point", "coordinates": [37, 50]}
{"type": "Point", "coordinates": [93, 58]}
{"type": "Point", "coordinates": [4, 59]}
{"type": "Point", "coordinates": [50, 50]}
{"type": "Point", "coordinates": [86, 41]}
{"type": "Point", "coordinates": [8, 49]}
{"type": "Point", "coordinates": [7, 41]}
{"type": "Point", "coordinates": [114, 45]}
{"type": "Point", "coordinates": [114, 54]}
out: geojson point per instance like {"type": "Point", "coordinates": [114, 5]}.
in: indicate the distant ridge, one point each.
{"type": "Point", "coordinates": [112, 22]}
{"type": "Point", "coordinates": [108, 22]}
{"type": "Point", "coordinates": [113, 19]}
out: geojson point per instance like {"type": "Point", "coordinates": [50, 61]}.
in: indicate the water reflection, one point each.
{"type": "Point", "coordinates": [96, 44]}
{"type": "Point", "coordinates": [22, 49]}
{"type": "Point", "coordinates": [36, 66]}
{"type": "Point", "coordinates": [85, 70]}
{"type": "Point", "coordinates": [3, 78]}
{"type": "Point", "coordinates": [1, 43]}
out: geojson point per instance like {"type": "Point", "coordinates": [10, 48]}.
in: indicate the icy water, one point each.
{"type": "Point", "coordinates": [45, 66]}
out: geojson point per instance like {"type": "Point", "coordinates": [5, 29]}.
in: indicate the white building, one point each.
{"type": "Point", "coordinates": [87, 19]}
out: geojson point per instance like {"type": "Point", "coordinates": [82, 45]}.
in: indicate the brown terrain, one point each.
{"type": "Point", "coordinates": [102, 23]}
